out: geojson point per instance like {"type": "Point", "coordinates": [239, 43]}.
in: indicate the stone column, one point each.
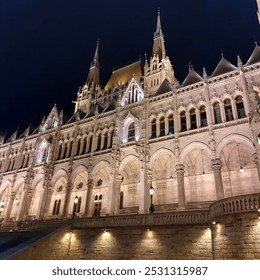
{"type": "Point", "coordinates": [9, 207]}
{"type": "Point", "coordinates": [87, 211]}
{"type": "Point", "coordinates": [28, 201]}
{"type": "Point", "coordinates": [23, 202]}
{"type": "Point", "coordinates": [181, 192]}
{"type": "Point", "coordinates": [216, 166]}
{"type": "Point", "coordinates": [42, 206]}
{"type": "Point", "coordinates": [67, 200]}
{"type": "Point", "coordinates": [256, 161]}
{"type": "Point", "coordinates": [145, 184]}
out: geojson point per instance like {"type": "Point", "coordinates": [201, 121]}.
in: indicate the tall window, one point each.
{"type": "Point", "coordinates": [193, 119]}
{"type": "Point", "coordinates": [105, 141]}
{"type": "Point", "coordinates": [131, 132]}
{"type": "Point", "coordinates": [153, 128]}
{"type": "Point", "coordinates": [183, 121]}
{"type": "Point", "coordinates": [90, 140]}
{"type": "Point", "coordinates": [111, 139]}
{"type": "Point", "coordinates": [240, 107]}
{"type": "Point", "coordinates": [171, 124]}
{"type": "Point", "coordinates": [97, 205]}
{"type": "Point", "coordinates": [217, 114]}
{"type": "Point", "coordinates": [98, 142]}
{"type": "Point", "coordinates": [162, 126]}
{"type": "Point", "coordinates": [203, 116]}
{"type": "Point", "coordinates": [56, 207]}
{"type": "Point", "coordinates": [228, 110]}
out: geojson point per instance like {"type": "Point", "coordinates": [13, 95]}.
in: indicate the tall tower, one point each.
{"type": "Point", "coordinates": [86, 94]}
{"type": "Point", "coordinates": [160, 67]}
{"type": "Point", "coordinates": [258, 8]}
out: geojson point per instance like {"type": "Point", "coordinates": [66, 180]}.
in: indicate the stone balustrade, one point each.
{"type": "Point", "coordinates": [155, 219]}
{"type": "Point", "coordinates": [235, 204]}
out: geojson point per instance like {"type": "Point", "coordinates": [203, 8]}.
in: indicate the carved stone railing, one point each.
{"type": "Point", "coordinates": [199, 217]}
{"type": "Point", "coordinates": [235, 204]}
{"type": "Point", "coordinates": [155, 219]}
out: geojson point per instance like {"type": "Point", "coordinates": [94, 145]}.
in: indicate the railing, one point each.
{"type": "Point", "coordinates": [237, 204]}
{"type": "Point", "coordinates": [180, 217]}
{"type": "Point", "coordinates": [156, 219]}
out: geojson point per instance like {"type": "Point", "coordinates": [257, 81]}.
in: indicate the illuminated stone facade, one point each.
{"type": "Point", "coordinates": [195, 142]}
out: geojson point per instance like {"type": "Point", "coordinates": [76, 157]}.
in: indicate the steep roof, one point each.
{"type": "Point", "coordinates": [77, 116]}
{"type": "Point", "coordinates": [223, 67]}
{"type": "Point", "coordinates": [164, 87]}
{"type": "Point", "coordinates": [192, 78]}
{"type": "Point", "coordinates": [123, 75]}
{"type": "Point", "coordinates": [111, 106]}
{"type": "Point", "coordinates": [255, 56]}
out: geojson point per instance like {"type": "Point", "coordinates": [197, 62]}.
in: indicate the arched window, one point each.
{"type": "Point", "coordinates": [240, 107]}
{"type": "Point", "coordinates": [193, 119]}
{"type": "Point", "coordinates": [171, 124]}
{"type": "Point", "coordinates": [153, 128]}
{"type": "Point", "coordinates": [43, 153]}
{"type": "Point", "coordinates": [183, 121]}
{"type": "Point", "coordinates": [98, 142]}
{"type": "Point", "coordinates": [90, 140]}
{"type": "Point", "coordinates": [105, 138]}
{"type": "Point", "coordinates": [97, 205]}
{"type": "Point", "coordinates": [131, 132]}
{"type": "Point", "coordinates": [228, 110]}
{"type": "Point", "coordinates": [162, 126]}
{"type": "Point", "coordinates": [78, 205]}
{"type": "Point", "coordinates": [203, 116]}
{"type": "Point", "coordinates": [217, 114]}
{"type": "Point", "coordinates": [111, 139]}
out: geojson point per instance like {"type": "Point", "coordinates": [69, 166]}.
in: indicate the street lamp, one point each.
{"type": "Point", "coordinates": [151, 191]}
{"type": "Point", "coordinates": [76, 200]}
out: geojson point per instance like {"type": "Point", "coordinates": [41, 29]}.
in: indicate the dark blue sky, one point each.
{"type": "Point", "coordinates": [46, 46]}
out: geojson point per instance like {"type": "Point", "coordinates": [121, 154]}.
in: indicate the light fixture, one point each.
{"type": "Point", "coordinates": [241, 166]}
{"type": "Point", "coordinates": [258, 138]}
{"type": "Point", "coordinates": [76, 200]}
{"type": "Point", "coordinates": [171, 178]}
{"type": "Point", "coordinates": [138, 183]}
{"type": "Point", "coordinates": [213, 223]}
{"type": "Point", "coordinates": [151, 191]}
{"type": "Point", "coordinates": [203, 173]}
{"type": "Point", "coordinates": [258, 210]}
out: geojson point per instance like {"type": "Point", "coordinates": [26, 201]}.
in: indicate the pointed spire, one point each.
{"type": "Point", "coordinates": [239, 62]}
{"type": "Point", "coordinates": [93, 75]}
{"type": "Point", "coordinates": [95, 60]}
{"type": "Point", "coordinates": [158, 31]}
{"type": "Point", "coordinates": [158, 44]}
{"type": "Point", "coordinates": [205, 75]}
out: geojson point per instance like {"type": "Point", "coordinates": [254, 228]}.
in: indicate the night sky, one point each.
{"type": "Point", "coordinates": [46, 46]}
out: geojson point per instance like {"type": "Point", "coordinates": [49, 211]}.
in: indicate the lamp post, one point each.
{"type": "Point", "coordinates": [151, 191]}
{"type": "Point", "coordinates": [76, 200]}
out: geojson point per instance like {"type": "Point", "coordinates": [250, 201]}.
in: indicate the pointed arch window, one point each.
{"type": "Point", "coordinates": [171, 124]}
{"type": "Point", "coordinates": [90, 141]}
{"type": "Point", "coordinates": [183, 121]}
{"type": "Point", "coordinates": [105, 139]}
{"type": "Point", "coordinates": [43, 153]}
{"type": "Point", "coordinates": [217, 114]}
{"type": "Point", "coordinates": [153, 128]}
{"type": "Point", "coordinates": [240, 107]}
{"type": "Point", "coordinates": [131, 132]}
{"type": "Point", "coordinates": [98, 142]}
{"type": "Point", "coordinates": [97, 205]}
{"type": "Point", "coordinates": [193, 119]}
{"type": "Point", "coordinates": [111, 139]}
{"type": "Point", "coordinates": [228, 110]}
{"type": "Point", "coordinates": [162, 126]}
{"type": "Point", "coordinates": [203, 116]}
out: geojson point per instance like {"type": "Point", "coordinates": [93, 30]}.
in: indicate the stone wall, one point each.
{"type": "Point", "coordinates": [236, 236]}
{"type": "Point", "coordinates": [164, 242]}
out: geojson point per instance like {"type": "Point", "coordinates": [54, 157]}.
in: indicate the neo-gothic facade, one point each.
{"type": "Point", "coordinates": [195, 142]}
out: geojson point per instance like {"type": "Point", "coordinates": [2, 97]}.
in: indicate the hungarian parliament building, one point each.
{"type": "Point", "coordinates": [192, 142]}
